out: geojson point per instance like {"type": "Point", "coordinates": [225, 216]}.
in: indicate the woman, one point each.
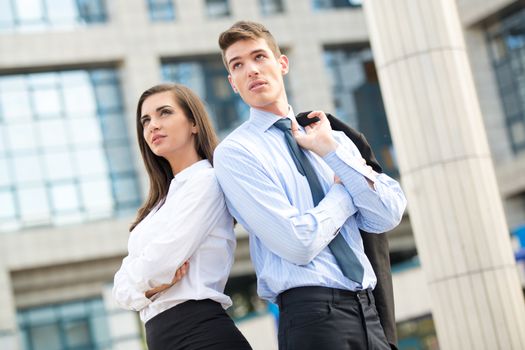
{"type": "Point", "coordinates": [182, 242]}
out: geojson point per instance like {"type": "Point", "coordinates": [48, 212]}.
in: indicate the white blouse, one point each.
{"type": "Point", "coordinates": [193, 224]}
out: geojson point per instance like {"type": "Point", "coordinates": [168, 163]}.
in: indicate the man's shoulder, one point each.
{"type": "Point", "coordinates": [242, 131]}
{"type": "Point", "coordinates": [244, 144]}
{"type": "Point", "coordinates": [236, 138]}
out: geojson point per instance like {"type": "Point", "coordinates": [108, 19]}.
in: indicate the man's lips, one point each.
{"type": "Point", "coordinates": [256, 84]}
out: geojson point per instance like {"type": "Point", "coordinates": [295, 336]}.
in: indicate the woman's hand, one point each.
{"type": "Point", "coordinates": [181, 272]}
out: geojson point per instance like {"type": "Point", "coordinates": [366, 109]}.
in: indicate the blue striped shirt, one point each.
{"type": "Point", "coordinates": [272, 200]}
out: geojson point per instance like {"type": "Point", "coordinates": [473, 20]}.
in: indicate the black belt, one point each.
{"type": "Point", "coordinates": [316, 293]}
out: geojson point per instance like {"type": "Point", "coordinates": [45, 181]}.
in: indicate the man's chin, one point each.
{"type": "Point", "coordinates": [258, 103]}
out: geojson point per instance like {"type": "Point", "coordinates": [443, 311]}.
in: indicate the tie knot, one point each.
{"type": "Point", "coordinates": [284, 124]}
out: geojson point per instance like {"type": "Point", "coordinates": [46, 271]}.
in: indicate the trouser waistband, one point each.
{"type": "Point", "coordinates": [317, 293]}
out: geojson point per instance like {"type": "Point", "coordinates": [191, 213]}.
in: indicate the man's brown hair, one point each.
{"type": "Point", "coordinates": [246, 30]}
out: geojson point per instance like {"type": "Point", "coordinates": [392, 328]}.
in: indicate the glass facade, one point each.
{"type": "Point", "coordinates": [358, 101]}
{"type": "Point", "coordinates": [507, 49]}
{"type": "Point", "coordinates": [29, 15]}
{"type": "Point", "coordinates": [331, 4]}
{"type": "Point", "coordinates": [209, 79]}
{"type": "Point", "coordinates": [161, 10]}
{"type": "Point", "coordinates": [417, 334]}
{"type": "Point", "coordinates": [64, 149]}
{"type": "Point", "coordinates": [217, 8]}
{"type": "Point", "coordinates": [271, 7]}
{"type": "Point", "coordinates": [78, 325]}
{"type": "Point", "coordinates": [246, 302]}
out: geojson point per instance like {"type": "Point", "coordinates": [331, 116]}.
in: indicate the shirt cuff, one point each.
{"type": "Point", "coordinates": [350, 170]}
{"type": "Point", "coordinates": [352, 161]}
{"type": "Point", "coordinates": [333, 211]}
{"type": "Point", "coordinates": [343, 207]}
{"type": "Point", "coordinates": [129, 297]}
{"type": "Point", "coordinates": [133, 270]}
{"type": "Point", "coordinates": [139, 301]}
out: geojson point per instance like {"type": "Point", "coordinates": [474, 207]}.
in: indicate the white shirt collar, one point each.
{"type": "Point", "coordinates": [263, 120]}
{"type": "Point", "coordinates": [191, 170]}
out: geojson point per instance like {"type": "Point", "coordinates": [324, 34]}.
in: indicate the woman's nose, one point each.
{"type": "Point", "coordinates": [153, 124]}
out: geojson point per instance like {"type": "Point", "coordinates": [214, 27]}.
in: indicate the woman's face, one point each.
{"type": "Point", "coordinates": [167, 130]}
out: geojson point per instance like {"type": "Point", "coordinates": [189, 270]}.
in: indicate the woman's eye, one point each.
{"type": "Point", "coordinates": [145, 121]}
{"type": "Point", "coordinates": [165, 112]}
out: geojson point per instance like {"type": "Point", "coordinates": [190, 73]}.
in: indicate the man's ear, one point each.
{"type": "Point", "coordinates": [283, 62]}
{"type": "Point", "coordinates": [232, 84]}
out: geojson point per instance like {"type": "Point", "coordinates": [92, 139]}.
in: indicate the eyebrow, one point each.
{"type": "Point", "coordinates": [251, 53]}
{"type": "Point", "coordinates": [157, 110]}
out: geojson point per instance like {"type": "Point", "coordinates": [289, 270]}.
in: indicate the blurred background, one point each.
{"type": "Point", "coordinates": [71, 177]}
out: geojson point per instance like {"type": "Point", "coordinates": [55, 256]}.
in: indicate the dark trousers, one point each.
{"type": "Point", "coordinates": [194, 324]}
{"type": "Point", "coordinates": [320, 318]}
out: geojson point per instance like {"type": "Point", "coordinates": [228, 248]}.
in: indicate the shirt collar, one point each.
{"type": "Point", "coordinates": [263, 120]}
{"type": "Point", "coordinates": [188, 172]}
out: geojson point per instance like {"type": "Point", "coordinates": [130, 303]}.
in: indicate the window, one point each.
{"type": "Point", "coordinates": [331, 4]}
{"type": "Point", "coordinates": [43, 14]}
{"type": "Point", "coordinates": [217, 8]}
{"type": "Point", "coordinates": [161, 10]}
{"type": "Point", "coordinates": [64, 150]}
{"type": "Point", "coordinates": [418, 333]}
{"type": "Point", "coordinates": [358, 101]}
{"type": "Point", "coordinates": [506, 41]}
{"type": "Point", "coordinates": [271, 7]}
{"type": "Point", "coordinates": [71, 326]}
{"type": "Point", "coordinates": [209, 79]}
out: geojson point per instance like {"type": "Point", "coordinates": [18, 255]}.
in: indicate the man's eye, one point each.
{"type": "Point", "coordinates": [236, 65]}
{"type": "Point", "coordinates": [259, 57]}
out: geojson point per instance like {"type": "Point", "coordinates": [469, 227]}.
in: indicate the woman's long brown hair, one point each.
{"type": "Point", "coordinates": [158, 168]}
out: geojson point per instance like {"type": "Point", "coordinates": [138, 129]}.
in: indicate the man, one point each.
{"type": "Point", "coordinates": [303, 208]}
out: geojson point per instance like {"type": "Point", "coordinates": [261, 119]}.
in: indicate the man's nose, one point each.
{"type": "Point", "coordinates": [253, 70]}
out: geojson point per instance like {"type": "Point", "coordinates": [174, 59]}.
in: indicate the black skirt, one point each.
{"type": "Point", "coordinates": [194, 324]}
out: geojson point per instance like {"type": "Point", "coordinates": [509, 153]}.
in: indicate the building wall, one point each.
{"type": "Point", "coordinates": [52, 265]}
{"type": "Point", "coordinates": [55, 264]}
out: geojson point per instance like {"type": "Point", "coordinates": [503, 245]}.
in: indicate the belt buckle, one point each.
{"type": "Point", "coordinates": [364, 295]}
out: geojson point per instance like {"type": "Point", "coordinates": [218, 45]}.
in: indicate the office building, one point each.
{"type": "Point", "coordinates": [71, 176]}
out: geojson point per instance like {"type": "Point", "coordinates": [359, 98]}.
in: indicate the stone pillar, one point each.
{"type": "Point", "coordinates": [8, 327]}
{"type": "Point", "coordinates": [446, 169]}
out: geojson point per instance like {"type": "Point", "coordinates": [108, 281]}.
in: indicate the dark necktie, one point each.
{"type": "Point", "coordinates": [343, 253]}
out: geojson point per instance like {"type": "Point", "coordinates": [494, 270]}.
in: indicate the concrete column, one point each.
{"type": "Point", "coordinates": [8, 327]}
{"type": "Point", "coordinates": [447, 172]}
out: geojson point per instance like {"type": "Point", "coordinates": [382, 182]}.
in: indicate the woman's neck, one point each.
{"type": "Point", "coordinates": [182, 161]}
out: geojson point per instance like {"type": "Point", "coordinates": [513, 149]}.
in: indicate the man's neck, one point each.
{"type": "Point", "coordinates": [280, 109]}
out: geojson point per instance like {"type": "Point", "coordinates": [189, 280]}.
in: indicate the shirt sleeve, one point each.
{"type": "Point", "coordinates": [379, 209]}
{"type": "Point", "coordinates": [178, 237]}
{"type": "Point", "coordinates": [125, 294]}
{"type": "Point", "coordinates": [263, 208]}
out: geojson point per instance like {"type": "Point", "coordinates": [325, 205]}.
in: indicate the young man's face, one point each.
{"type": "Point", "coordinates": [257, 75]}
